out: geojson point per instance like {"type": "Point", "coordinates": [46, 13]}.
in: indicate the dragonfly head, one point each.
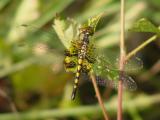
{"type": "Point", "coordinates": [88, 30]}
{"type": "Point", "coordinates": [89, 27]}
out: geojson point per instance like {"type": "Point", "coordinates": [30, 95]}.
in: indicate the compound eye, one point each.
{"type": "Point", "coordinates": [81, 30]}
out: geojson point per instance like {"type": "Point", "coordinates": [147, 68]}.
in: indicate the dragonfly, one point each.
{"type": "Point", "coordinates": [81, 55]}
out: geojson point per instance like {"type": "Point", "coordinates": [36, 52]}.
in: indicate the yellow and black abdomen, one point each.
{"type": "Point", "coordinates": [81, 57]}
{"type": "Point", "coordinates": [77, 77]}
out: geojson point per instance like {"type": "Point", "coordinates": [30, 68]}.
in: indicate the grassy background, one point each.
{"type": "Point", "coordinates": [39, 88]}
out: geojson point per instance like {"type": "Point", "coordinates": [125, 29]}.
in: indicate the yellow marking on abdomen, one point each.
{"type": "Point", "coordinates": [79, 67]}
{"type": "Point", "coordinates": [76, 81]}
{"type": "Point", "coordinates": [77, 74]}
{"type": "Point", "coordinates": [80, 61]}
{"type": "Point", "coordinates": [75, 86]}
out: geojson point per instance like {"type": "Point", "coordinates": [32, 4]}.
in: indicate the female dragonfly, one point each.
{"type": "Point", "coordinates": [82, 56]}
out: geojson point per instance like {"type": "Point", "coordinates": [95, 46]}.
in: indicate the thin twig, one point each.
{"type": "Point", "coordinates": [140, 47]}
{"type": "Point", "coordinates": [151, 72]}
{"type": "Point", "coordinates": [10, 103]}
{"type": "Point", "coordinates": [99, 97]}
{"type": "Point", "coordinates": [155, 68]}
{"type": "Point", "coordinates": [121, 62]}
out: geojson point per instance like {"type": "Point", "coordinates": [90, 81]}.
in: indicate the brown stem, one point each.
{"type": "Point", "coordinates": [99, 97]}
{"type": "Point", "coordinates": [10, 103]}
{"type": "Point", "coordinates": [121, 62]}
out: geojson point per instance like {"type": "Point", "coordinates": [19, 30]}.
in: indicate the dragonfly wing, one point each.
{"type": "Point", "coordinates": [110, 76]}
{"type": "Point", "coordinates": [128, 83]}
{"type": "Point", "coordinates": [112, 62]}
{"type": "Point", "coordinates": [106, 82]}
{"type": "Point", "coordinates": [103, 67]}
{"type": "Point", "coordinates": [134, 64]}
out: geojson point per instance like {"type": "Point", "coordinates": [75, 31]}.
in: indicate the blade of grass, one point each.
{"type": "Point", "coordinates": [141, 102]}
{"type": "Point", "coordinates": [17, 67]}
{"type": "Point", "coordinates": [108, 36]}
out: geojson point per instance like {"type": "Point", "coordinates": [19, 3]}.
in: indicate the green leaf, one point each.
{"type": "Point", "coordinates": [144, 25]}
{"type": "Point", "coordinates": [66, 31]}
{"type": "Point", "coordinates": [94, 21]}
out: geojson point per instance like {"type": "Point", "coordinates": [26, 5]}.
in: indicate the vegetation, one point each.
{"type": "Point", "coordinates": [33, 82]}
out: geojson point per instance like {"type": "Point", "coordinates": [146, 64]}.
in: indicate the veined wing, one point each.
{"type": "Point", "coordinates": [128, 82]}
{"type": "Point", "coordinates": [112, 62]}
{"type": "Point", "coordinates": [108, 75]}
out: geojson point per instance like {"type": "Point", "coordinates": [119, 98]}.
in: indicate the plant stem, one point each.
{"type": "Point", "coordinates": [140, 47]}
{"type": "Point", "coordinates": [13, 108]}
{"type": "Point", "coordinates": [122, 61]}
{"type": "Point", "coordinates": [8, 99]}
{"type": "Point", "coordinates": [99, 97]}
